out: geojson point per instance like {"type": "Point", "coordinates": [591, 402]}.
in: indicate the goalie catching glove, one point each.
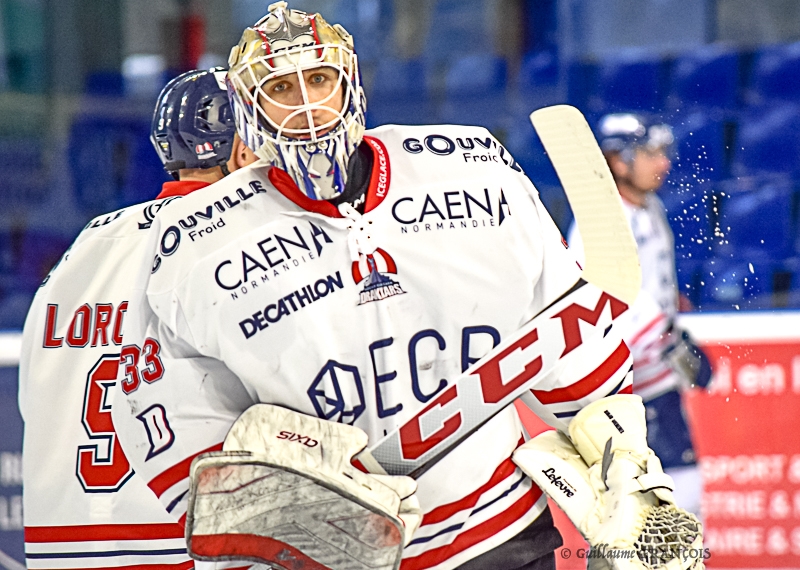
{"type": "Point", "coordinates": [284, 492]}
{"type": "Point", "coordinates": [611, 486]}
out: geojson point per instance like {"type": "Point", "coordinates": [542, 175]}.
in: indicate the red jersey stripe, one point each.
{"type": "Point", "coordinates": [176, 473]}
{"type": "Point", "coordinates": [285, 185]}
{"type": "Point", "coordinates": [180, 188]}
{"type": "Point", "coordinates": [589, 383]}
{"type": "Point", "coordinates": [376, 192]}
{"type": "Point", "coordinates": [84, 533]}
{"type": "Point", "coordinates": [473, 536]}
{"type": "Point", "coordinates": [443, 512]}
{"type": "Point", "coordinates": [177, 566]}
{"type": "Point", "coordinates": [646, 329]}
{"type": "Point", "coordinates": [651, 381]}
{"type": "Point", "coordinates": [251, 546]}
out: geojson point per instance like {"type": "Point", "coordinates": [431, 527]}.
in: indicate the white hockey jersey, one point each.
{"type": "Point", "coordinates": [647, 324]}
{"type": "Point", "coordinates": [84, 507]}
{"type": "Point", "coordinates": [259, 294]}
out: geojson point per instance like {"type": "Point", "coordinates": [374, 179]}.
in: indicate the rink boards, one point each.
{"type": "Point", "coordinates": [747, 432]}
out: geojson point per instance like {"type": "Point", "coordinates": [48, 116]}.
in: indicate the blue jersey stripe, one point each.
{"type": "Point", "coordinates": [104, 554]}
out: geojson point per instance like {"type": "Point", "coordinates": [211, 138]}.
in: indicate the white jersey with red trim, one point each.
{"type": "Point", "coordinates": [646, 330]}
{"type": "Point", "coordinates": [259, 294]}
{"type": "Point", "coordinates": [83, 505]}
{"type": "Point", "coordinates": [647, 324]}
{"type": "Point", "coordinates": [656, 246]}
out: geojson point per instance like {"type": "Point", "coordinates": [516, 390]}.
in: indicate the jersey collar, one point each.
{"type": "Point", "coordinates": [180, 188]}
{"type": "Point", "coordinates": [376, 191]}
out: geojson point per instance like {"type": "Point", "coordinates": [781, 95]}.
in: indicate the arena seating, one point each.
{"type": "Point", "coordinates": [475, 90]}
{"type": "Point", "coordinates": [755, 218]}
{"type": "Point", "coordinates": [775, 74]}
{"type": "Point", "coordinates": [134, 174]}
{"type": "Point", "coordinates": [706, 78]}
{"type": "Point", "coordinates": [700, 147]}
{"type": "Point", "coordinates": [735, 116]}
{"type": "Point", "coordinates": [768, 140]}
{"type": "Point", "coordinates": [633, 79]}
{"type": "Point", "coordinates": [401, 94]}
{"type": "Point", "coordinates": [734, 285]}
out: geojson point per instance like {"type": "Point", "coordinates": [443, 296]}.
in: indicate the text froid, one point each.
{"type": "Point", "coordinates": [291, 303]}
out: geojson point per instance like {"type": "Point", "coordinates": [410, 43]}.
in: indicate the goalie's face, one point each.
{"type": "Point", "coordinates": [303, 104]}
{"type": "Point", "coordinates": [295, 90]}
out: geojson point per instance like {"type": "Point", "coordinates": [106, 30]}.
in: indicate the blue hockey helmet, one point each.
{"type": "Point", "coordinates": [625, 132]}
{"type": "Point", "coordinates": [193, 124]}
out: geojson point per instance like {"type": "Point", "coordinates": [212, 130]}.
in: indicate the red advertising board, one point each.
{"type": "Point", "coordinates": [746, 431]}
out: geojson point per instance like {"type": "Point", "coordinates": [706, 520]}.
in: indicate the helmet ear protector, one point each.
{"type": "Point", "coordinates": [193, 124]}
{"type": "Point", "coordinates": [312, 133]}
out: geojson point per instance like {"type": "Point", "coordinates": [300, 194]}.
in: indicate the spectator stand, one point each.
{"type": "Point", "coordinates": [754, 239]}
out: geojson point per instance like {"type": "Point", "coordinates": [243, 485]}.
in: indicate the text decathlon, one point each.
{"type": "Point", "coordinates": [290, 304]}
{"type": "Point", "coordinates": [451, 210]}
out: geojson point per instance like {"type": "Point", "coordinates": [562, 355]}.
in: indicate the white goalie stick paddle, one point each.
{"type": "Point", "coordinates": [518, 363]}
{"type": "Point", "coordinates": [612, 261]}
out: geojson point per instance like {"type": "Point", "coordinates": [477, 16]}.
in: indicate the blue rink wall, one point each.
{"type": "Point", "coordinates": [11, 528]}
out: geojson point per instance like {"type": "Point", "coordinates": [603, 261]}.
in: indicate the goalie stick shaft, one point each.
{"type": "Point", "coordinates": [518, 363]}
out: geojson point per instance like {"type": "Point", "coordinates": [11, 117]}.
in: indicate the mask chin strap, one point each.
{"type": "Point", "coordinates": [331, 184]}
{"type": "Point", "coordinates": [318, 173]}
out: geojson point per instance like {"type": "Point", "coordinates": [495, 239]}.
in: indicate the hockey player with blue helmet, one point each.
{"type": "Point", "coordinates": [666, 361]}
{"type": "Point", "coordinates": [64, 380]}
{"type": "Point", "coordinates": [194, 133]}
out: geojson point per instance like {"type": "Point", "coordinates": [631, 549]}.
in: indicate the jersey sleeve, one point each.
{"type": "Point", "coordinates": [560, 270]}
{"type": "Point", "coordinates": [29, 342]}
{"type": "Point", "coordinates": [172, 402]}
{"type": "Point", "coordinates": [646, 329]}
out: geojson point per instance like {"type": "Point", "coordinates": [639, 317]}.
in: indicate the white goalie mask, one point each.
{"type": "Point", "coordinates": [295, 89]}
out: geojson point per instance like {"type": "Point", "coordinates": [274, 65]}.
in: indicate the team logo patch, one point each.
{"type": "Point", "coordinates": [205, 150]}
{"type": "Point", "coordinates": [337, 393]}
{"type": "Point", "coordinates": [373, 271]}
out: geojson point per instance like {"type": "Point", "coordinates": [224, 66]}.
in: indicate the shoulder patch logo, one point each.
{"type": "Point", "coordinates": [374, 270]}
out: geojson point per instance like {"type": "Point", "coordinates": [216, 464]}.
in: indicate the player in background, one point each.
{"type": "Point", "coordinates": [665, 361]}
{"type": "Point", "coordinates": [191, 132]}
{"type": "Point", "coordinates": [84, 507]}
{"type": "Point", "coordinates": [347, 276]}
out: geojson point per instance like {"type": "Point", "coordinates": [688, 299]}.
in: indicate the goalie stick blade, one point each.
{"type": "Point", "coordinates": [611, 262]}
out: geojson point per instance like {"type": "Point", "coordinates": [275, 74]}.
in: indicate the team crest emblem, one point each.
{"type": "Point", "coordinates": [374, 270]}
